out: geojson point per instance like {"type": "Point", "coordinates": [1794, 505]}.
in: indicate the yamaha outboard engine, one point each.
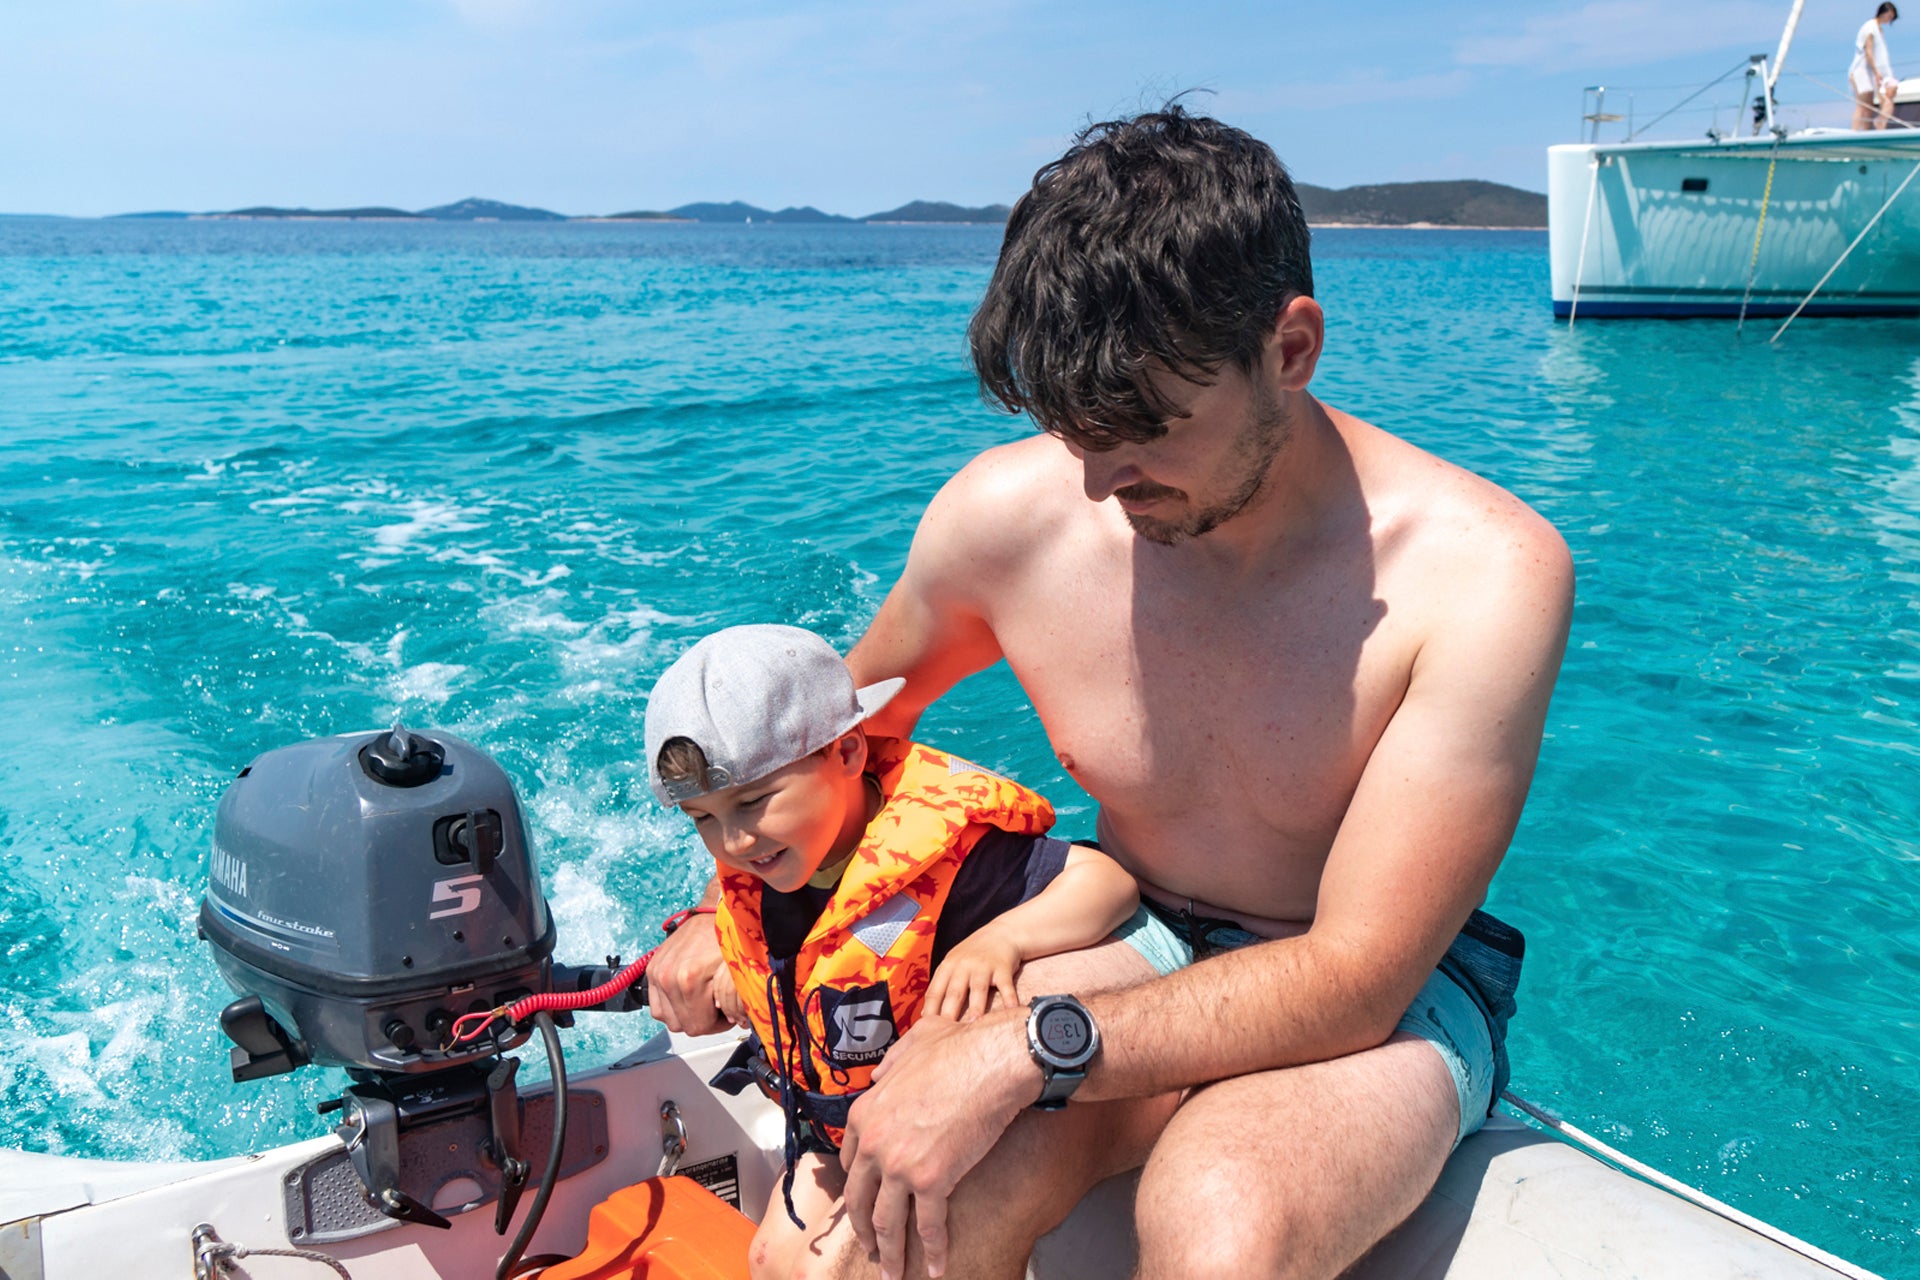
{"type": "Point", "coordinates": [366, 891]}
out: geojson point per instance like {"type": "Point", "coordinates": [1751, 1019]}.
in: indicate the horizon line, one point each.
{"type": "Point", "coordinates": [343, 213]}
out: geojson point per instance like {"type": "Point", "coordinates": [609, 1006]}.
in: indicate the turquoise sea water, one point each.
{"type": "Point", "coordinates": [262, 482]}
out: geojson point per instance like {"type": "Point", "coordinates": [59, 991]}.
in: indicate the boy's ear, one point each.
{"type": "Point", "coordinates": [849, 751]}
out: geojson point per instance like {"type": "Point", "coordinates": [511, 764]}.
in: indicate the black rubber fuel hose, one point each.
{"type": "Point", "coordinates": [557, 1064]}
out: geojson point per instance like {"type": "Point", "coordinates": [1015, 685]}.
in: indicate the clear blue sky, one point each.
{"type": "Point", "coordinates": [595, 106]}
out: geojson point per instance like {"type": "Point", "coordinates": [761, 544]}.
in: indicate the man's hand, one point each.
{"type": "Point", "coordinates": [977, 975]}
{"type": "Point", "coordinates": [940, 1100]}
{"type": "Point", "coordinates": [682, 978]}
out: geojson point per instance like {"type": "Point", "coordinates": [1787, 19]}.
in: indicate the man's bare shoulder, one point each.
{"type": "Point", "coordinates": [1019, 473]}
{"type": "Point", "coordinates": [1008, 496]}
{"type": "Point", "coordinates": [1470, 542]}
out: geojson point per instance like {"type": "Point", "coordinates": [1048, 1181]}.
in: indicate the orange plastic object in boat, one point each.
{"type": "Point", "coordinates": [661, 1229]}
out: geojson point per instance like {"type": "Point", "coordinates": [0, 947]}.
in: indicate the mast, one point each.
{"type": "Point", "coordinates": [1786, 42]}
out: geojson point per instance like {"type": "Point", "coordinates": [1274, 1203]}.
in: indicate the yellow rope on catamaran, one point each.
{"type": "Point", "coordinates": [1760, 230]}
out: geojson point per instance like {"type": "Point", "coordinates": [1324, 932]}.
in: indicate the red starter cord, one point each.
{"type": "Point", "coordinates": [552, 1001]}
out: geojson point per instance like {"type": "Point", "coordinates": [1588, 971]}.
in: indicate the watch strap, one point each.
{"type": "Point", "coordinates": [1058, 1088]}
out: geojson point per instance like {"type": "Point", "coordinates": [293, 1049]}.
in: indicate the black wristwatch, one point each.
{"type": "Point", "coordinates": [1062, 1039]}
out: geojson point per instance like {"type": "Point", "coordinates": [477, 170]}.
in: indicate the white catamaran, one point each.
{"type": "Point", "coordinates": [1775, 222]}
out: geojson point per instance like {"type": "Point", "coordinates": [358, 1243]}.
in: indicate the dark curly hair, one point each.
{"type": "Point", "coordinates": [1164, 241]}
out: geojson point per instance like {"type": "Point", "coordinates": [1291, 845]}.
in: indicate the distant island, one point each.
{"type": "Point", "coordinates": [1389, 204]}
{"type": "Point", "coordinates": [475, 209]}
{"type": "Point", "coordinates": [1424, 204]}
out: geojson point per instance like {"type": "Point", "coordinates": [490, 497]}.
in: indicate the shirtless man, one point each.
{"type": "Point", "coordinates": [1302, 665]}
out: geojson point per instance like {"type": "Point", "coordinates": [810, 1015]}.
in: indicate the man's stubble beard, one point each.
{"type": "Point", "coordinates": [1266, 435]}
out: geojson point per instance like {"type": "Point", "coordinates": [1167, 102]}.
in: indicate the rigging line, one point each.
{"type": "Point", "coordinates": [1843, 94]}
{"type": "Point", "coordinates": [1914, 173]}
{"type": "Point", "coordinates": [1754, 261]}
{"type": "Point", "coordinates": [1653, 88]}
{"type": "Point", "coordinates": [1741, 66]}
{"type": "Point", "coordinates": [1647, 1173]}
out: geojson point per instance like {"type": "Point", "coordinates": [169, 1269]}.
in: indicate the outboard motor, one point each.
{"type": "Point", "coordinates": [366, 892]}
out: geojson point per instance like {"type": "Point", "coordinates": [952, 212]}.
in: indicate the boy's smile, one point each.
{"type": "Point", "coordinates": [784, 827]}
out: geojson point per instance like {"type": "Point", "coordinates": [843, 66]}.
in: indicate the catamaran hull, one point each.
{"type": "Point", "coordinates": [1669, 229]}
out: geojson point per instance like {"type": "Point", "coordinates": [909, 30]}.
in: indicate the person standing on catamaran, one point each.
{"type": "Point", "coordinates": [1871, 75]}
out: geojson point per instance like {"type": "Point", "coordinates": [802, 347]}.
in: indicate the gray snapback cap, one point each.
{"type": "Point", "coordinates": [755, 699]}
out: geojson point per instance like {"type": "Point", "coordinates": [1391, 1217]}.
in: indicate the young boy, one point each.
{"type": "Point", "coordinates": [865, 882]}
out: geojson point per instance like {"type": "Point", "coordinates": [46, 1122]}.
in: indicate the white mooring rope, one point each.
{"type": "Point", "coordinates": [1627, 1164]}
{"type": "Point", "coordinates": [1843, 257]}
{"type": "Point", "coordinates": [214, 1257]}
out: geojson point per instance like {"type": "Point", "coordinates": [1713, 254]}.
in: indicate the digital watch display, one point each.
{"type": "Point", "coordinates": [1062, 1040]}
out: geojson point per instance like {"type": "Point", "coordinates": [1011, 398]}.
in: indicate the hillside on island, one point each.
{"type": "Point", "coordinates": [1387, 204]}
{"type": "Point", "coordinates": [940, 211]}
{"type": "Point", "coordinates": [474, 209]}
{"type": "Point", "coordinates": [1438, 204]}
{"type": "Point", "coordinates": [374, 212]}
{"type": "Point", "coordinates": [913, 211]}
{"type": "Point", "coordinates": [740, 211]}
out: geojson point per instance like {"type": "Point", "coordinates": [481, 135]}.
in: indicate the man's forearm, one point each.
{"type": "Point", "coordinates": [1274, 1004]}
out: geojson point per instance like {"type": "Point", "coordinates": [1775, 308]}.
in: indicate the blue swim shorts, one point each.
{"type": "Point", "coordinates": [1462, 1010]}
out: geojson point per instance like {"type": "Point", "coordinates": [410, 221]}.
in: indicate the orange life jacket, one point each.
{"type": "Point", "coordinates": [826, 1017]}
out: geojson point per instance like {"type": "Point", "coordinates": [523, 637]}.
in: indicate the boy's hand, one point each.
{"type": "Point", "coordinates": [727, 999]}
{"type": "Point", "coordinates": [682, 977]}
{"type": "Point", "coordinates": [974, 973]}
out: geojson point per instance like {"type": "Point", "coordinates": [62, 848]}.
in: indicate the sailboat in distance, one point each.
{"type": "Point", "coordinates": [1750, 218]}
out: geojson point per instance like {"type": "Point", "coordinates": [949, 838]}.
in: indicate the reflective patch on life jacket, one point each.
{"type": "Point", "coordinates": [956, 765]}
{"type": "Point", "coordinates": [859, 1023]}
{"type": "Point", "coordinates": [880, 928]}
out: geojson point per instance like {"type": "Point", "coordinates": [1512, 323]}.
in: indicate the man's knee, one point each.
{"type": "Point", "coordinates": [786, 1255]}
{"type": "Point", "coordinates": [766, 1259]}
{"type": "Point", "coordinates": [818, 1264]}
{"type": "Point", "coordinates": [1202, 1224]}
{"type": "Point", "coordinates": [783, 1251]}
{"type": "Point", "coordinates": [1031, 1179]}
{"type": "Point", "coordinates": [1037, 1173]}
{"type": "Point", "coordinates": [1029, 1182]}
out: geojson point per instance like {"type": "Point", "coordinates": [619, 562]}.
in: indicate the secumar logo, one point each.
{"type": "Point", "coordinates": [860, 1026]}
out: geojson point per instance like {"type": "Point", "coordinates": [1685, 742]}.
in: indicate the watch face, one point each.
{"type": "Point", "coordinates": [1065, 1031]}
